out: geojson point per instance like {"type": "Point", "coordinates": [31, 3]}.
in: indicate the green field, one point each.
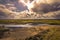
{"type": "Point", "coordinates": [23, 21]}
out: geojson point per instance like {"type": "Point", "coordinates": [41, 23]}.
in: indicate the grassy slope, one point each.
{"type": "Point", "coordinates": [22, 21]}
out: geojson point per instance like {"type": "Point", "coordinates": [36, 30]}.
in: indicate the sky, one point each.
{"type": "Point", "coordinates": [39, 9]}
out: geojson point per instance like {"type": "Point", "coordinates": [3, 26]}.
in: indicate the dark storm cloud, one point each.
{"type": "Point", "coordinates": [51, 10]}
{"type": "Point", "coordinates": [16, 4]}
{"type": "Point", "coordinates": [20, 6]}
{"type": "Point", "coordinates": [44, 5]}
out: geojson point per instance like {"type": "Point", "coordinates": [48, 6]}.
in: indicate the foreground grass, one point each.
{"type": "Point", "coordinates": [53, 33]}
{"type": "Point", "coordinates": [45, 32]}
{"type": "Point", "coordinates": [23, 21]}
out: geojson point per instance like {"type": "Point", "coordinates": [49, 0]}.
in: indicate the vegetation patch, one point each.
{"type": "Point", "coordinates": [49, 34]}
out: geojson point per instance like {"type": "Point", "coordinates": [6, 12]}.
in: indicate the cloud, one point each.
{"type": "Point", "coordinates": [39, 10]}
{"type": "Point", "coordinates": [43, 5]}
{"type": "Point", "coordinates": [7, 14]}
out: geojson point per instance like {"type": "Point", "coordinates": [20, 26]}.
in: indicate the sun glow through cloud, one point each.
{"type": "Point", "coordinates": [28, 3]}
{"type": "Point", "coordinates": [30, 9]}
